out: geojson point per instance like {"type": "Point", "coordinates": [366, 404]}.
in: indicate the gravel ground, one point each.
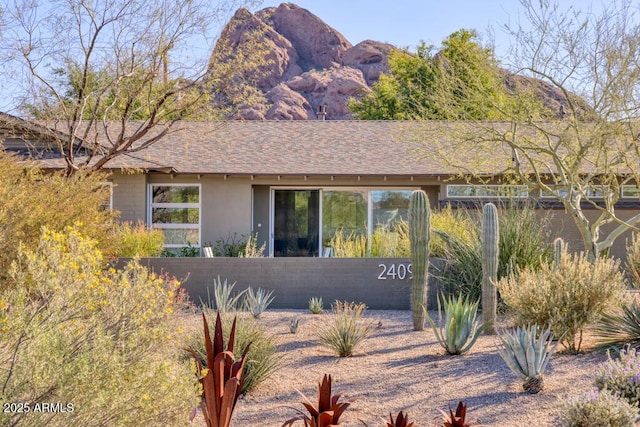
{"type": "Point", "coordinates": [400, 369]}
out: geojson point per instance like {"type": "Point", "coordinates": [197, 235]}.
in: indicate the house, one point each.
{"type": "Point", "coordinates": [294, 183]}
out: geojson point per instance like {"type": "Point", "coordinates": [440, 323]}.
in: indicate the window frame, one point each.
{"type": "Point", "coordinates": [497, 196]}
{"type": "Point", "coordinates": [175, 226]}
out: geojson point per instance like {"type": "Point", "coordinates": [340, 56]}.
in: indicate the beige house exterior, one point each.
{"type": "Point", "coordinates": [294, 182]}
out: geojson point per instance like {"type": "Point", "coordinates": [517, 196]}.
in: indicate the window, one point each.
{"type": "Point", "coordinates": [591, 193]}
{"type": "Point", "coordinates": [630, 192]}
{"type": "Point", "coordinates": [389, 207]}
{"type": "Point", "coordinates": [175, 209]}
{"type": "Point", "coordinates": [345, 210]}
{"type": "Point", "coordinates": [468, 191]}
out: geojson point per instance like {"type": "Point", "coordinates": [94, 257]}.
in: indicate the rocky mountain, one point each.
{"type": "Point", "coordinates": [310, 64]}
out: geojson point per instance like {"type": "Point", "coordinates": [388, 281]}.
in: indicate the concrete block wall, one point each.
{"type": "Point", "coordinates": [380, 283]}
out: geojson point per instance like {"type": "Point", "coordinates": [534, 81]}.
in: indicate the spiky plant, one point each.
{"type": "Point", "coordinates": [458, 419]}
{"type": "Point", "coordinates": [294, 323]}
{"type": "Point", "coordinates": [490, 250]}
{"type": "Point", "coordinates": [345, 329]}
{"type": "Point", "coordinates": [315, 305]}
{"type": "Point", "coordinates": [460, 329]}
{"type": "Point", "coordinates": [222, 380]}
{"type": "Point", "coordinates": [402, 420]}
{"type": "Point", "coordinates": [256, 302]}
{"type": "Point", "coordinates": [526, 355]}
{"type": "Point", "coordinates": [619, 329]}
{"type": "Point", "coordinates": [222, 296]}
{"type": "Point", "coordinates": [559, 249]}
{"type": "Point", "coordinates": [419, 235]}
{"type": "Point", "coordinates": [328, 411]}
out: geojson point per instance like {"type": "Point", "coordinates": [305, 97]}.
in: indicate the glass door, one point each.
{"type": "Point", "coordinates": [296, 223]}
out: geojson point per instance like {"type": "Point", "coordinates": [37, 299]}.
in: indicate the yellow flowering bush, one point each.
{"type": "Point", "coordinates": [100, 339]}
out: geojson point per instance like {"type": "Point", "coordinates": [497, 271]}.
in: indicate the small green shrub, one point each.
{"type": "Point", "coordinates": [456, 224]}
{"type": "Point", "coordinates": [230, 246]}
{"type": "Point", "coordinates": [102, 339]}
{"type": "Point", "coordinates": [256, 302]}
{"type": "Point", "coordinates": [345, 329]}
{"type": "Point", "coordinates": [316, 305]}
{"type": "Point", "coordinates": [569, 297]}
{"type": "Point", "coordinates": [137, 240]}
{"type": "Point", "coordinates": [621, 376]}
{"type": "Point", "coordinates": [597, 408]}
{"type": "Point", "coordinates": [262, 360]}
{"type": "Point", "coordinates": [460, 329]}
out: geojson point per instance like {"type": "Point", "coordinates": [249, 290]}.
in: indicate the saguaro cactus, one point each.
{"type": "Point", "coordinates": [419, 235]}
{"type": "Point", "coordinates": [559, 247]}
{"type": "Point", "coordinates": [490, 250]}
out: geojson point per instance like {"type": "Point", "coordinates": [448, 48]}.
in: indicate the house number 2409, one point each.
{"type": "Point", "coordinates": [395, 271]}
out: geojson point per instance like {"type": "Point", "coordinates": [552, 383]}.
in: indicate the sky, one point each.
{"type": "Point", "coordinates": [404, 23]}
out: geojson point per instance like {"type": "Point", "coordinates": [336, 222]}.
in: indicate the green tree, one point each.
{"type": "Point", "coordinates": [589, 151]}
{"type": "Point", "coordinates": [114, 76]}
{"type": "Point", "coordinates": [460, 82]}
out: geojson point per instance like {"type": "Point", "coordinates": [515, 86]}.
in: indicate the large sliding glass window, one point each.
{"type": "Point", "coordinates": [296, 223]}
{"type": "Point", "coordinates": [175, 209]}
{"type": "Point", "coordinates": [389, 207]}
{"type": "Point", "coordinates": [345, 211]}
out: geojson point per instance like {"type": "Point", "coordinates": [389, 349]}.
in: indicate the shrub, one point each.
{"type": "Point", "coordinates": [256, 302]}
{"type": "Point", "coordinates": [137, 240]}
{"type": "Point", "coordinates": [262, 359]}
{"type": "Point", "coordinates": [460, 329]}
{"type": "Point", "coordinates": [633, 261]}
{"type": "Point", "coordinates": [597, 408]}
{"type": "Point", "coordinates": [523, 242]}
{"type": "Point", "coordinates": [315, 305]}
{"type": "Point", "coordinates": [352, 245]}
{"type": "Point", "coordinates": [31, 199]}
{"type": "Point", "coordinates": [619, 328]}
{"type": "Point", "coordinates": [568, 297]}
{"type": "Point", "coordinates": [344, 329]}
{"type": "Point", "coordinates": [621, 376]}
{"type": "Point", "coordinates": [456, 224]}
{"type": "Point", "coordinates": [102, 339]}
{"type": "Point", "coordinates": [526, 352]}
{"type": "Point", "coordinates": [231, 246]}
{"type": "Point", "coordinates": [251, 248]}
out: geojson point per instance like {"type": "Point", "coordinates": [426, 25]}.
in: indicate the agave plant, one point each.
{"type": "Point", "coordinates": [315, 305]}
{"type": "Point", "coordinates": [222, 381]}
{"type": "Point", "coordinates": [222, 296]}
{"type": "Point", "coordinates": [402, 420]}
{"type": "Point", "coordinates": [460, 329]}
{"type": "Point", "coordinates": [328, 411]}
{"type": "Point", "coordinates": [526, 355]}
{"type": "Point", "coordinates": [457, 419]}
{"type": "Point", "coordinates": [619, 329]}
{"type": "Point", "coordinates": [256, 302]}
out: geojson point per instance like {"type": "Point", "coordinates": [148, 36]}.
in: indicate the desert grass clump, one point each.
{"type": "Point", "coordinates": [597, 408]}
{"type": "Point", "coordinates": [621, 376]}
{"type": "Point", "coordinates": [619, 328]}
{"type": "Point", "coordinates": [568, 297]}
{"type": "Point", "coordinates": [137, 240]}
{"type": "Point", "coordinates": [459, 330]}
{"type": "Point", "coordinates": [527, 352]}
{"type": "Point", "coordinates": [102, 339]}
{"type": "Point", "coordinates": [257, 302]}
{"type": "Point", "coordinates": [263, 359]}
{"type": "Point", "coordinates": [456, 224]}
{"type": "Point", "coordinates": [344, 328]}
{"type": "Point", "coordinates": [316, 305]}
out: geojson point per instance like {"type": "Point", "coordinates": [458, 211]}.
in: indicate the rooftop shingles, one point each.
{"type": "Point", "coordinates": [294, 148]}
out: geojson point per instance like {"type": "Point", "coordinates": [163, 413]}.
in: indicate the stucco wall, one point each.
{"type": "Point", "coordinates": [295, 280]}
{"type": "Point", "coordinates": [129, 196]}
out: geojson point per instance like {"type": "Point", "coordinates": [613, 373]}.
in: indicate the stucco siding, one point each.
{"type": "Point", "coordinates": [129, 196]}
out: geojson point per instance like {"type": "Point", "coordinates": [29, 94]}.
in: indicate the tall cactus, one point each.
{"type": "Point", "coordinates": [559, 247]}
{"type": "Point", "coordinates": [419, 235]}
{"type": "Point", "coordinates": [490, 251]}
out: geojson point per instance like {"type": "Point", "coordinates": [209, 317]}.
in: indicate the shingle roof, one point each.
{"type": "Point", "coordinates": [298, 148]}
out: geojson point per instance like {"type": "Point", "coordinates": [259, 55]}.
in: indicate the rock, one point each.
{"type": "Point", "coordinates": [288, 105]}
{"type": "Point", "coordinates": [318, 45]}
{"type": "Point", "coordinates": [370, 57]}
